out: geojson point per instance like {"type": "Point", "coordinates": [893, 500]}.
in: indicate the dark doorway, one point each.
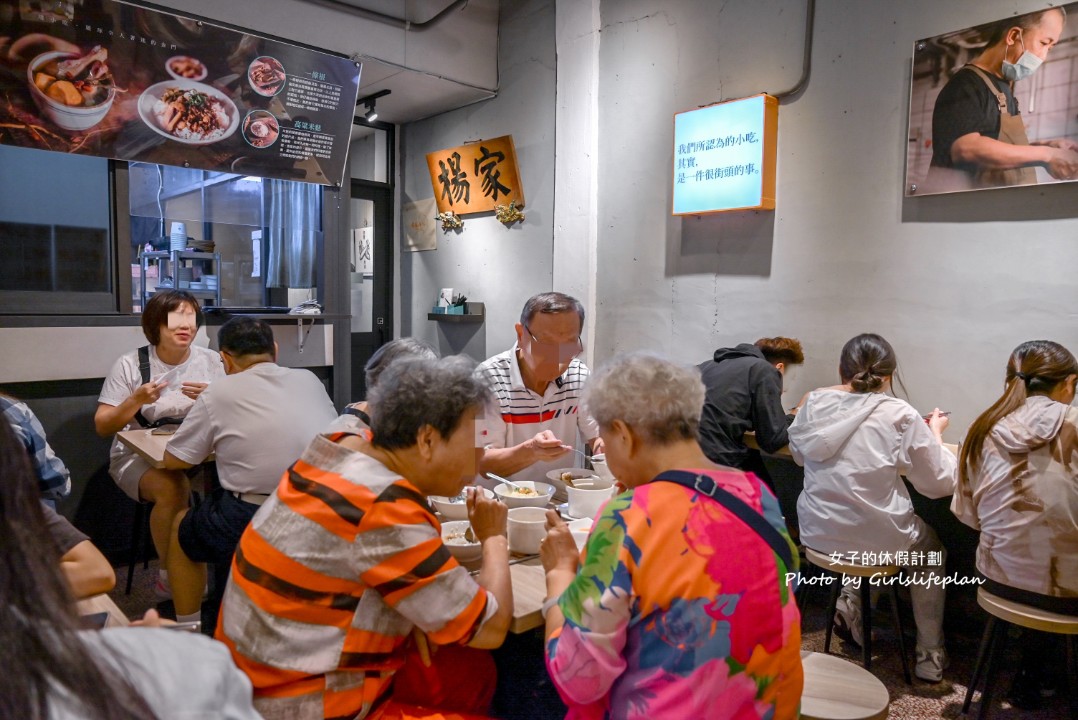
{"type": "Point", "coordinates": [371, 278]}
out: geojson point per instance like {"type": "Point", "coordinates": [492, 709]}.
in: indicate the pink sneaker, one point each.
{"type": "Point", "coordinates": [161, 590]}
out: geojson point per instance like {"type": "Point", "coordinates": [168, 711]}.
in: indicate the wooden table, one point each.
{"type": "Point", "coordinates": [103, 603]}
{"type": "Point", "coordinates": [750, 441]}
{"type": "Point", "coordinates": [836, 689]}
{"type": "Point", "coordinates": [528, 580]}
{"type": "Point", "coordinates": [148, 446]}
{"type": "Point", "coordinates": [529, 590]}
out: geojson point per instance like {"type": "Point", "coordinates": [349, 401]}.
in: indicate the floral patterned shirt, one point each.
{"type": "Point", "coordinates": [680, 610]}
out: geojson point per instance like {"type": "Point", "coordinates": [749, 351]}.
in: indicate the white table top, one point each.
{"type": "Point", "coordinates": [837, 689]}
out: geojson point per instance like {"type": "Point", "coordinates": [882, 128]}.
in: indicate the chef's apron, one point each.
{"type": "Point", "coordinates": [1011, 130]}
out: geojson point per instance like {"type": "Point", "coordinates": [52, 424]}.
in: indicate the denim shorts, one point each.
{"type": "Point", "coordinates": [210, 532]}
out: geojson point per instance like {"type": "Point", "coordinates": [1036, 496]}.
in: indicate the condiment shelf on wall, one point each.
{"type": "Point", "coordinates": [474, 312]}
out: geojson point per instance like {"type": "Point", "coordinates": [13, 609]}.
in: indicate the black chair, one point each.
{"type": "Point", "coordinates": [1002, 612]}
{"type": "Point", "coordinates": [864, 572]}
{"type": "Point", "coordinates": [140, 534]}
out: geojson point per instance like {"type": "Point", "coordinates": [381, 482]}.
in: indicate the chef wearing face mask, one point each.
{"type": "Point", "coordinates": [978, 137]}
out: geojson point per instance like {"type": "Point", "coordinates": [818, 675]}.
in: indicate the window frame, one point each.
{"type": "Point", "coordinates": [69, 302]}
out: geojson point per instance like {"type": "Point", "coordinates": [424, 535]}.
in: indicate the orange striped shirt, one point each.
{"type": "Point", "coordinates": [330, 578]}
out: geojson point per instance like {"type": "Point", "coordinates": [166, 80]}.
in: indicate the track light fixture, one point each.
{"type": "Point", "coordinates": [372, 114]}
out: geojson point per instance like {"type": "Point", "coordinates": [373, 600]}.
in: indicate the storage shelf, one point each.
{"type": "Point", "coordinates": [474, 313]}
{"type": "Point", "coordinates": [194, 291]}
{"type": "Point", "coordinates": [218, 318]}
{"type": "Point", "coordinates": [170, 262]}
{"type": "Point", "coordinates": [439, 317]}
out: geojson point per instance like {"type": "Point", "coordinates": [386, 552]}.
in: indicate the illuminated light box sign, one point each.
{"type": "Point", "coordinates": [724, 156]}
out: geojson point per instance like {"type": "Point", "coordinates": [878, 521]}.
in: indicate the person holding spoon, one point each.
{"type": "Point", "coordinates": [538, 384]}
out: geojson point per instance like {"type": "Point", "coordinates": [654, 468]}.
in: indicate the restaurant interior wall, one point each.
{"type": "Point", "coordinates": [954, 282]}
{"type": "Point", "coordinates": [487, 261]}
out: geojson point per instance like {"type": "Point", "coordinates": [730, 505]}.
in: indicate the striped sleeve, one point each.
{"type": "Point", "coordinates": [401, 556]}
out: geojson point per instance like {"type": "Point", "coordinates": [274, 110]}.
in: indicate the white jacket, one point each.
{"type": "Point", "coordinates": [855, 447]}
{"type": "Point", "coordinates": [1024, 499]}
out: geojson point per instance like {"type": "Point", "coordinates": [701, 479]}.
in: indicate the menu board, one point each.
{"type": "Point", "coordinates": [110, 79]}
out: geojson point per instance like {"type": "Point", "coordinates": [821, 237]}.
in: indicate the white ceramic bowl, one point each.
{"type": "Point", "coordinates": [453, 510]}
{"type": "Point", "coordinates": [453, 537]}
{"type": "Point", "coordinates": [580, 530]}
{"type": "Point", "coordinates": [67, 117]}
{"type": "Point", "coordinates": [583, 524]}
{"type": "Point", "coordinates": [601, 468]}
{"type": "Point", "coordinates": [587, 495]}
{"type": "Point", "coordinates": [541, 500]}
{"type": "Point", "coordinates": [554, 476]}
{"type": "Point", "coordinates": [527, 528]}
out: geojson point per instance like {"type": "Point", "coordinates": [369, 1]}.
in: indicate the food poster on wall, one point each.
{"type": "Point", "coordinates": [100, 77]}
{"type": "Point", "coordinates": [476, 177]}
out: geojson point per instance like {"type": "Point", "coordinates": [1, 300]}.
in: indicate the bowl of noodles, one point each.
{"type": "Point", "coordinates": [526, 494]}
{"type": "Point", "coordinates": [189, 112]}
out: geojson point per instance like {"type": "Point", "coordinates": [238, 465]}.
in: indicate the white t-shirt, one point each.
{"type": "Point", "coordinates": [202, 365]}
{"type": "Point", "coordinates": [180, 675]}
{"type": "Point", "coordinates": [257, 421]}
{"type": "Point", "coordinates": [523, 413]}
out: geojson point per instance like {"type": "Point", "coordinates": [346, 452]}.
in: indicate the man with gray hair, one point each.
{"type": "Point", "coordinates": [538, 384]}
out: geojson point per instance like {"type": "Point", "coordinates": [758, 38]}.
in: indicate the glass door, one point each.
{"type": "Point", "coordinates": [371, 274]}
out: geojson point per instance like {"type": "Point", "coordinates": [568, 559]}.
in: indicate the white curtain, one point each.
{"type": "Point", "coordinates": [295, 229]}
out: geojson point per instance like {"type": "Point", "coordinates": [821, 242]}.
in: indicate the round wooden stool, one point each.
{"type": "Point", "coordinates": [1002, 612]}
{"type": "Point", "coordinates": [825, 562]}
{"type": "Point", "coordinates": [836, 689]}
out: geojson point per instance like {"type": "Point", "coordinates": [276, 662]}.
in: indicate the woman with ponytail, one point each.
{"type": "Point", "coordinates": [1018, 485]}
{"type": "Point", "coordinates": [51, 669]}
{"type": "Point", "coordinates": [856, 442]}
{"type": "Point", "coordinates": [1018, 481]}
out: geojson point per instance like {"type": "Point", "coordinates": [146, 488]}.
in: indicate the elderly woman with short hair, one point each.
{"type": "Point", "coordinates": [345, 562]}
{"type": "Point", "coordinates": [681, 606]}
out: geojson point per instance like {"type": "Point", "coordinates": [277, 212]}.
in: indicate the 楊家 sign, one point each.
{"type": "Point", "coordinates": [476, 177]}
{"type": "Point", "coordinates": [724, 156]}
{"type": "Point", "coordinates": [115, 80]}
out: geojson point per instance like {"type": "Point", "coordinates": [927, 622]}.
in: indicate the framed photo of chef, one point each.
{"type": "Point", "coordinates": [995, 105]}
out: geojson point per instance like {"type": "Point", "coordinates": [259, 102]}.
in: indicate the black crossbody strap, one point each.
{"type": "Point", "coordinates": [144, 370]}
{"type": "Point", "coordinates": [705, 485]}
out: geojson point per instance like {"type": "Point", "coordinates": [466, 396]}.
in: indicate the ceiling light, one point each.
{"type": "Point", "coordinates": [368, 100]}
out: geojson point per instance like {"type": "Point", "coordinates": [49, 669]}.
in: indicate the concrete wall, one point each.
{"type": "Point", "coordinates": [487, 261]}
{"type": "Point", "coordinates": [953, 282]}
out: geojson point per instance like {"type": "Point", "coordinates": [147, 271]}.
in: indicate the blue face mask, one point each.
{"type": "Point", "coordinates": [1027, 65]}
